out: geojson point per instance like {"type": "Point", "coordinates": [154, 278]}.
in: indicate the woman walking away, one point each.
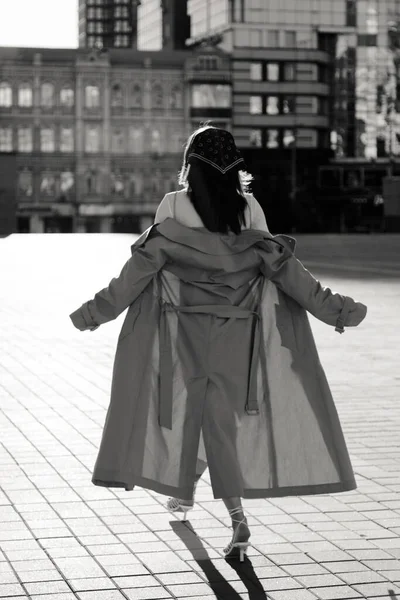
{"type": "Point", "coordinates": [216, 364]}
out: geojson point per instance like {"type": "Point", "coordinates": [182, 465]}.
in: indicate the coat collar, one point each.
{"type": "Point", "coordinates": [214, 243]}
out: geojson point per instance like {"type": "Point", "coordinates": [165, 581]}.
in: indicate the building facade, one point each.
{"type": "Point", "coordinates": [315, 83]}
{"type": "Point", "coordinates": [313, 67]}
{"type": "Point", "coordinates": [162, 24]}
{"type": "Point", "coordinates": [108, 23]}
{"type": "Point", "coordinates": [99, 135]}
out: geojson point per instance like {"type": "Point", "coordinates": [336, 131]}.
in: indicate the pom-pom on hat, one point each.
{"type": "Point", "coordinates": [217, 148]}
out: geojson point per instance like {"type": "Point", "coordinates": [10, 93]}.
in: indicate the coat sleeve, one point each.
{"type": "Point", "coordinates": [296, 281]}
{"type": "Point", "coordinates": [111, 301]}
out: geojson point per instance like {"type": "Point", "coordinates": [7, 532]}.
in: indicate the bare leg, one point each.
{"type": "Point", "coordinates": [235, 502]}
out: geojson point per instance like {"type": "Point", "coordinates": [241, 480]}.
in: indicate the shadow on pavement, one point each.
{"type": "Point", "coordinates": [220, 586]}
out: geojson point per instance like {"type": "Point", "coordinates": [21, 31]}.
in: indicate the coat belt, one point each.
{"type": "Point", "coordinates": [166, 367]}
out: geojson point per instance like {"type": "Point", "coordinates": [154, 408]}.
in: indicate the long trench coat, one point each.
{"type": "Point", "coordinates": [216, 362]}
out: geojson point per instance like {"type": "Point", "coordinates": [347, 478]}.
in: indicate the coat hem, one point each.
{"type": "Point", "coordinates": [111, 480]}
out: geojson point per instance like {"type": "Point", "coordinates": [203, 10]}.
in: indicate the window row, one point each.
{"type": "Point", "coordinates": [279, 137]}
{"type": "Point", "coordinates": [51, 184]}
{"type": "Point", "coordinates": [99, 27]}
{"type": "Point", "coordinates": [288, 104]}
{"type": "Point", "coordinates": [208, 95]}
{"type": "Point", "coordinates": [130, 140]}
{"type": "Point", "coordinates": [272, 38]}
{"type": "Point", "coordinates": [47, 139]}
{"type": "Point", "coordinates": [288, 71]}
{"type": "Point", "coordinates": [61, 185]}
{"type": "Point", "coordinates": [119, 41]}
{"type": "Point", "coordinates": [106, 13]}
{"type": "Point", "coordinates": [24, 96]}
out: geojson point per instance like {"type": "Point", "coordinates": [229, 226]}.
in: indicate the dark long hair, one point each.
{"type": "Point", "coordinates": [218, 199]}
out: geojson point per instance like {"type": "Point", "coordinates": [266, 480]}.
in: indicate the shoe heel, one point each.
{"type": "Point", "coordinates": [243, 549]}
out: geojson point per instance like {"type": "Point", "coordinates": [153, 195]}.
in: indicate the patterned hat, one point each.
{"type": "Point", "coordinates": [217, 148]}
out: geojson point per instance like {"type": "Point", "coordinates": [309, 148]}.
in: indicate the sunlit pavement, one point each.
{"type": "Point", "coordinates": [62, 538]}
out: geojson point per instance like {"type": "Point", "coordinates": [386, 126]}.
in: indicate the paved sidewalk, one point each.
{"type": "Point", "coordinates": [63, 538]}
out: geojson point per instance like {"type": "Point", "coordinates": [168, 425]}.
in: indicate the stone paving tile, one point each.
{"type": "Point", "coordinates": [143, 594]}
{"type": "Point", "coordinates": [93, 583]}
{"type": "Point", "coordinates": [47, 587]}
{"type": "Point", "coordinates": [37, 576]}
{"type": "Point", "coordinates": [101, 595]}
{"type": "Point", "coordinates": [8, 590]}
{"type": "Point", "coordinates": [335, 592]}
{"type": "Point", "coordinates": [293, 595]}
{"type": "Point", "coordinates": [61, 532]}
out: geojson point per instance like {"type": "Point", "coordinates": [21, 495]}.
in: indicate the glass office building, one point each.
{"type": "Point", "coordinates": [333, 64]}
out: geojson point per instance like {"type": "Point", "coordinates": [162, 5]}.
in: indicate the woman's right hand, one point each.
{"type": "Point", "coordinates": [357, 315]}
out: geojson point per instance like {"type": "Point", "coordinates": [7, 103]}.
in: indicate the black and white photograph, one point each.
{"type": "Point", "coordinates": [198, 198]}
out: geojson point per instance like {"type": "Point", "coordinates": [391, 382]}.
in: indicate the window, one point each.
{"type": "Point", "coordinates": [92, 138]}
{"type": "Point", "coordinates": [256, 71]}
{"type": "Point", "coordinates": [92, 96]}
{"type": "Point", "coordinates": [25, 139]}
{"type": "Point", "coordinates": [208, 63]}
{"type": "Point", "coordinates": [117, 142]}
{"type": "Point", "coordinates": [91, 182]}
{"type": "Point", "coordinates": [272, 71]}
{"type": "Point", "coordinates": [255, 38]}
{"type": "Point", "coordinates": [288, 138]}
{"type": "Point", "coordinates": [288, 105]}
{"type": "Point", "coordinates": [273, 38]}
{"type": "Point", "coordinates": [5, 94]}
{"type": "Point", "coordinates": [272, 138]}
{"type": "Point", "coordinates": [205, 95]}
{"type": "Point", "coordinates": [47, 95]}
{"type": "Point", "coordinates": [156, 144]}
{"type": "Point", "coordinates": [272, 105]}
{"type": "Point", "coordinates": [6, 144]}
{"type": "Point", "coordinates": [255, 105]}
{"type": "Point", "coordinates": [47, 184]}
{"type": "Point", "coordinates": [176, 97]}
{"type": "Point", "coordinates": [67, 139]}
{"type": "Point", "coordinates": [116, 96]}
{"type": "Point", "coordinates": [25, 183]}
{"type": "Point", "coordinates": [290, 39]}
{"type": "Point", "coordinates": [238, 11]}
{"type": "Point", "coordinates": [351, 13]}
{"type": "Point", "coordinates": [289, 71]}
{"type": "Point", "coordinates": [67, 182]}
{"type": "Point", "coordinates": [135, 140]}
{"type": "Point", "coordinates": [47, 139]}
{"type": "Point", "coordinates": [118, 186]}
{"type": "Point", "coordinates": [157, 98]}
{"type": "Point", "coordinates": [67, 97]}
{"type": "Point", "coordinates": [24, 95]}
{"type": "Point", "coordinates": [255, 138]}
{"type": "Point", "coordinates": [135, 99]}
{"type": "Point", "coordinates": [121, 41]}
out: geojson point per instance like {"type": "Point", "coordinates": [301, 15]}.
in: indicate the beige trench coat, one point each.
{"type": "Point", "coordinates": [216, 362]}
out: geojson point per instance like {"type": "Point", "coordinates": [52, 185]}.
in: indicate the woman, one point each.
{"type": "Point", "coordinates": [216, 363]}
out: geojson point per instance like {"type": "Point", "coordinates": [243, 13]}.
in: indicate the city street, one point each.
{"type": "Point", "coordinates": [63, 538]}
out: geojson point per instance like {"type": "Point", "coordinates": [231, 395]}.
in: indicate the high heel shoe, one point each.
{"type": "Point", "coordinates": [242, 544]}
{"type": "Point", "coordinates": [175, 505]}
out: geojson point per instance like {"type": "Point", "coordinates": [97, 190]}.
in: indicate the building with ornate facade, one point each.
{"type": "Point", "coordinates": [99, 135]}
